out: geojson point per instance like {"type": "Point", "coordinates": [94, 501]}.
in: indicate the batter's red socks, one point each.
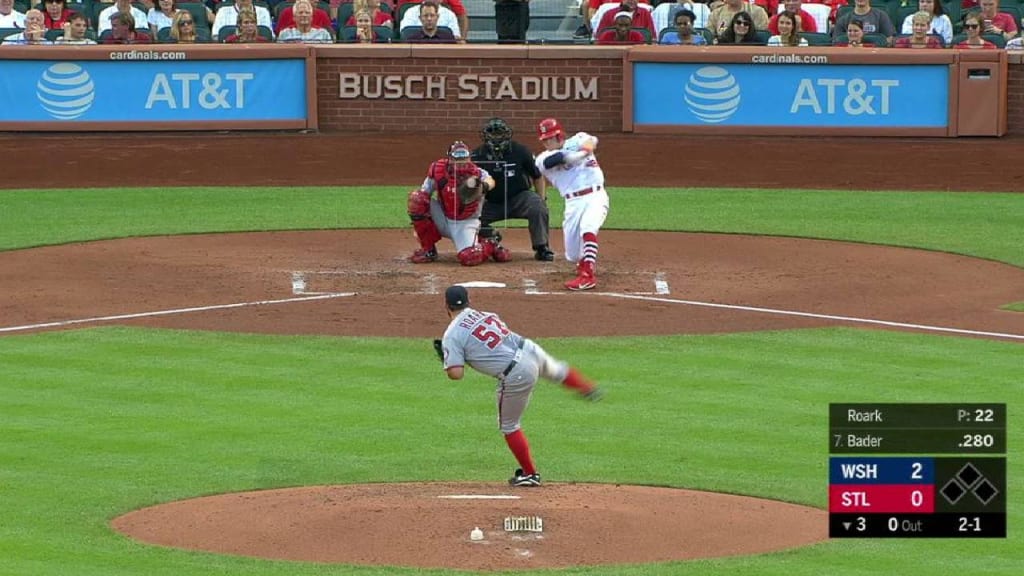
{"type": "Point", "coordinates": [521, 449]}
{"type": "Point", "coordinates": [577, 382]}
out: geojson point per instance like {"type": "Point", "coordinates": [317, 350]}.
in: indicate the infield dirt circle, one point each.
{"type": "Point", "coordinates": [358, 282]}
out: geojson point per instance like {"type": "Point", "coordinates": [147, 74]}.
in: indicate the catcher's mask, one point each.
{"type": "Point", "coordinates": [497, 134]}
{"type": "Point", "coordinates": [459, 152]}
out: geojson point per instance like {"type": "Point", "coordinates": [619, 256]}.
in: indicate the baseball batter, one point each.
{"type": "Point", "coordinates": [485, 343]}
{"type": "Point", "coordinates": [571, 166]}
{"type": "Point", "coordinates": [455, 212]}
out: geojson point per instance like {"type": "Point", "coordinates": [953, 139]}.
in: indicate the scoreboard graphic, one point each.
{"type": "Point", "coordinates": [929, 494]}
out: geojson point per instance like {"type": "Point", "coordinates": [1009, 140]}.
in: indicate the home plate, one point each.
{"type": "Point", "coordinates": [481, 284]}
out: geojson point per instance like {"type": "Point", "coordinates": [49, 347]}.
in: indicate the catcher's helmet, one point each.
{"type": "Point", "coordinates": [549, 128]}
{"type": "Point", "coordinates": [459, 152]}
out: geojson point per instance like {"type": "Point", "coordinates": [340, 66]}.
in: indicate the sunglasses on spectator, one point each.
{"type": "Point", "coordinates": [742, 23]}
{"type": "Point", "coordinates": [183, 22]}
{"type": "Point", "coordinates": [972, 25]}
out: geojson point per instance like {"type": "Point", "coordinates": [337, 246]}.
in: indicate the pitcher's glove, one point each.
{"type": "Point", "coordinates": [439, 349]}
{"type": "Point", "coordinates": [470, 190]}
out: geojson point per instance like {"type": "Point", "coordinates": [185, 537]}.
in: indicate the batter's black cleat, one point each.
{"type": "Point", "coordinates": [544, 254]}
{"type": "Point", "coordinates": [520, 479]}
{"type": "Point", "coordinates": [595, 394]}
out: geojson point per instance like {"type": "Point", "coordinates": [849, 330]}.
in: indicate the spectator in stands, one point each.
{"type": "Point", "coordinates": [919, 38]}
{"type": "Point", "coordinates": [34, 32]}
{"type": "Point", "coordinates": [1016, 44]}
{"type": "Point", "coordinates": [378, 17]}
{"type": "Point", "coordinates": [740, 31]}
{"type": "Point", "coordinates": [855, 35]}
{"type": "Point", "coordinates": [74, 31]}
{"type": "Point", "coordinates": [458, 10]}
{"type": "Point", "coordinates": [622, 31]}
{"type": "Point", "coordinates": [246, 29]}
{"type": "Point", "coordinates": [973, 23]}
{"type": "Point", "coordinates": [364, 27]}
{"type": "Point", "coordinates": [430, 30]}
{"type": "Point", "coordinates": [139, 19]}
{"type": "Point", "coordinates": [161, 15]}
{"type": "Point", "coordinates": [940, 23]}
{"type": "Point", "coordinates": [321, 19]}
{"type": "Point", "coordinates": [789, 30]}
{"type": "Point", "coordinates": [511, 20]}
{"type": "Point", "coordinates": [683, 34]}
{"type": "Point", "coordinates": [56, 14]}
{"type": "Point", "coordinates": [9, 17]}
{"type": "Point", "coordinates": [995, 22]}
{"type": "Point", "coordinates": [875, 21]}
{"type": "Point", "coordinates": [445, 18]}
{"type": "Point", "coordinates": [183, 28]}
{"type": "Point", "coordinates": [123, 30]}
{"type": "Point", "coordinates": [228, 15]}
{"type": "Point", "coordinates": [303, 30]}
{"type": "Point", "coordinates": [721, 18]}
{"type": "Point", "coordinates": [641, 17]}
{"type": "Point", "coordinates": [807, 23]}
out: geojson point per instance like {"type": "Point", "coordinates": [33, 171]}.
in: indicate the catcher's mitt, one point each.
{"type": "Point", "coordinates": [439, 349]}
{"type": "Point", "coordinates": [470, 190]}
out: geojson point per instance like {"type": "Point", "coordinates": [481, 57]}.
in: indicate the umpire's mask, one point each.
{"type": "Point", "coordinates": [497, 134]}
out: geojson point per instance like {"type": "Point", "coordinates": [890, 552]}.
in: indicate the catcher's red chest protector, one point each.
{"type": "Point", "coordinates": [447, 176]}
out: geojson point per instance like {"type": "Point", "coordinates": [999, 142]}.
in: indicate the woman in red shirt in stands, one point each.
{"type": "Point", "coordinates": [56, 14]}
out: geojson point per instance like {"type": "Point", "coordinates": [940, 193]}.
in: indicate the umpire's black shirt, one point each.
{"type": "Point", "coordinates": [515, 169]}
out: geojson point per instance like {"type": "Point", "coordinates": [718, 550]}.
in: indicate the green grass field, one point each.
{"type": "Point", "coordinates": [97, 422]}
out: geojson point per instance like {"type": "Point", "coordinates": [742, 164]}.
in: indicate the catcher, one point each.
{"type": "Point", "coordinates": [455, 212]}
{"type": "Point", "coordinates": [484, 342]}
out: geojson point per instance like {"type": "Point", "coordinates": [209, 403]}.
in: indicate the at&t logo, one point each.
{"type": "Point", "coordinates": [65, 91]}
{"type": "Point", "coordinates": [712, 94]}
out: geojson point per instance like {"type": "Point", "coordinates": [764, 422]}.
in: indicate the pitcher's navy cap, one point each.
{"type": "Point", "coordinates": [456, 296]}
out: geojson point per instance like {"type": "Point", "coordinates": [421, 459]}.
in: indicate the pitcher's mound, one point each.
{"type": "Point", "coordinates": [429, 525]}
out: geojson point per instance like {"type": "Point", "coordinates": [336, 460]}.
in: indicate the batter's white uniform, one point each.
{"type": "Point", "coordinates": [481, 340]}
{"type": "Point", "coordinates": [581, 184]}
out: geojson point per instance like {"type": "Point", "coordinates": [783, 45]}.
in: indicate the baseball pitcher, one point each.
{"type": "Point", "coordinates": [571, 166]}
{"type": "Point", "coordinates": [485, 343]}
{"type": "Point", "coordinates": [460, 186]}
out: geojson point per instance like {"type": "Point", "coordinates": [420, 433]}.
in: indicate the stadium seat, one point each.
{"type": "Point", "coordinates": [817, 38]}
{"type": "Point", "coordinates": [5, 32]}
{"type": "Point", "coordinates": [226, 31]}
{"type": "Point", "coordinates": [383, 34]}
{"type": "Point", "coordinates": [941, 40]}
{"type": "Point", "coordinates": [877, 40]}
{"type": "Point", "coordinates": [198, 12]}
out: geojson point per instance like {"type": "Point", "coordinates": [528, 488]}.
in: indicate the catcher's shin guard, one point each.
{"type": "Point", "coordinates": [473, 256]}
{"type": "Point", "coordinates": [419, 212]}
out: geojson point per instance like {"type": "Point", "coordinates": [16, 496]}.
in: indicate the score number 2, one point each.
{"type": "Point", "coordinates": [491, 332]}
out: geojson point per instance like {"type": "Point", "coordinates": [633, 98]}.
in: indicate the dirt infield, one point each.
{"type": "Point", "coordinates": [349, 282]}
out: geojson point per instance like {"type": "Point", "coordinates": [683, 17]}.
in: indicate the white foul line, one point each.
{"type": "Point", "coordinates": [480, 497]}
{"type": "Point", "coordinates": [174, 311]}
{"type": "Point", "coordinates": [924, 327]}
{"type": "Point", "coordinates": [813, 315]}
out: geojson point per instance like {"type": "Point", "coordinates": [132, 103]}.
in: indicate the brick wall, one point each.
{"type": "Point", "coordinates": [604, 114]}
{"type": "Point", "coordinates": [461, 115]}
{"type": "Point", "coordinates": [1015, 98]}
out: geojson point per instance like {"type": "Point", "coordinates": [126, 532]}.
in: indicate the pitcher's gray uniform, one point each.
{"type": "Point", "coordinates": [482, 341]}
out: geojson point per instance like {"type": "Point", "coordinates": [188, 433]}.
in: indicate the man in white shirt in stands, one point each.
{"type": "Point", "coordinates": [445, 18]}
{"type": "Point", "coordinates": [228, 16]}
{"type": "Point", "coordinates": [9, 17]}
{"type": "Point", "coordinates": [141, 19]}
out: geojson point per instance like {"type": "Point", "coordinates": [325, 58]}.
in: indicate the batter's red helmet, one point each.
{"type": "Point", "coordinates": [459, 151]}
{"type": "Point", "coordinates": [549, 128]}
